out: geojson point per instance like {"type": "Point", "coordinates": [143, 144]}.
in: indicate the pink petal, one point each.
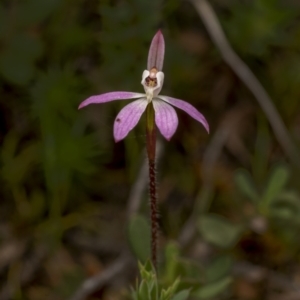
{"type": "Point", "coordinates": [128, 117]}
{"type": "Point", "coordinates": [156, 52]}
{"type": "Point", "coordinates": [165, 118]}
{"type": "Point", "coordinates": [188, 108]}
{"type": "Point", "coordinates": [113, 96]}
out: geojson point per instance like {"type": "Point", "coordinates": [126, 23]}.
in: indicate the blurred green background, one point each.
{"type": "Point", "coordinates": [229, 202]}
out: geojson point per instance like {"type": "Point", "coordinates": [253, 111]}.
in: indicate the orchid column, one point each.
{"type": "Point", "coordinates": [159, 112]}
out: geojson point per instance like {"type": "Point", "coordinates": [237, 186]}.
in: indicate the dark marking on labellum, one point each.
{"type": "Point", "coordinates": [151, 82]}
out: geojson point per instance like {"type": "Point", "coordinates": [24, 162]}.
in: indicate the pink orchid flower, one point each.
{"type": "Point", "coordinates": [152, 80]}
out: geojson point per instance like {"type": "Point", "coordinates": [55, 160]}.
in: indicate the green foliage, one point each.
{"type": "Point", "coordinates": [170, 286]}
{"type": "Point", "coordinates": [217, 278]}
{"type": "Point", "coordinates": [149, 288]}
{"type": "Point", "coordinates": [174, 266]}
{"type": "Point", "coordinates": [257, 25]}
{"type": "Point", "coordinates": [17, 59]}
{"type": "Point", "coordinates": [218, 230]}
{"type": "Point", "coordinates": [43, 155]}
{"type": "Point", "coordinates": [172, 261]}
{"type": "Point", "coordinates": [219, 268]}
{"type": "Point", "coordinates": [139, 237]}
{"type": "Point", "coordinates": [36, 11]}
{"type": "Point", "coordinates": [276, 200]}
{"type": "Point", "coordinates": [17, 165]}
{"type": "Point", "coordinates": [211, 290]}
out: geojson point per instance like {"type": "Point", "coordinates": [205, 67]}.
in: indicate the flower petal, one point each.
{"type": "Point", "coordinates": [156, 52]}
{"type": "Point", "coordinates": [165, 118]}
{"type": "Point", "coordinates": [188, 108]}
{"type": "Point", "coordinates": [128, 117]}
{"type": "Point", "coordinates": [113, 96]}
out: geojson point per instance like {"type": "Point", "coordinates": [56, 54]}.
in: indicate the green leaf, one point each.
{"type": "Point", "coordinates": [245, 184]}
{"type": "Point", "coordinates": [286, 207]}
{"type": "Point", "coordinates": [139, 237]}
{"type": "Point", "coordinates": [166, 294]}
{"type": "Point", "coordinates": [277, 181]}
{"type": "Point", "coordinates": [148, 287]}
{"type": "Point", "coordinates": [146, 270]}
{"type": "Point", "coordinates": [171, 254]}
{"type": "Point", "coordinates": [182, 295]}
{"type": "Point", "coordinates": [219, 268]}
{"type": "Point", "coordinates": [213, 289]}
{"type": "Point", "coordinates": [219, 231]}
{"type": "Point", "coordinates": [153, 288]}
{"type": "Point", "coordinates": [143, 290]}
{"type": "Point", "coordinates": [134, 294]}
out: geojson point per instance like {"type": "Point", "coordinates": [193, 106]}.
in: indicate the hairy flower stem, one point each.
{"type": "Point", "coordinates": [151, 143]}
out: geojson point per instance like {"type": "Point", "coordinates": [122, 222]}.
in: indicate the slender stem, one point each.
{"type": "Point", "coordinates": [151, 143]}
{"type": "Point", "coordinates": [153, 213]}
